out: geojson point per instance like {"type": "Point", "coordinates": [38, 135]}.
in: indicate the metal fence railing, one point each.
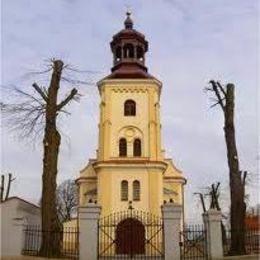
{"type": "Point", "coordinates": [193, 243]}
{"type": "Point", "coordinates": [252, 239]}
{"type": "Point", "coordinates": [66, 242]}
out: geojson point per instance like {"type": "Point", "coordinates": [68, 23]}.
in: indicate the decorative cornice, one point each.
{"type": "Point", "coordinates": [130, 90]}
{"type": "Point", "coordinates": [82, 178]}
{"type": "Point", "coordinates": [131, 163]}
{"type": "Point", "coordinates": [129, 82]}
{"type": "Point", "coordinates": [176, 179]}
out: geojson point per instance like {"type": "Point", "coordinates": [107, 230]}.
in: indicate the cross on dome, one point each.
{"type": "Point", "coordinates": [128, 21]}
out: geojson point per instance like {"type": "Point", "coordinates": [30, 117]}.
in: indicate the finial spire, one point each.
{"type": "Point", "coordinates": [128, 21]}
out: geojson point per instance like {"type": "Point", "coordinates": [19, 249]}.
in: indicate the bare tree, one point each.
{"type": "Point", "coordinates": [202, 201]}
{"type": "Point", "coordinates": [213, 193]}
{"type": "Point", "coordinates": [4, 193]}
{"type": "Point", "coordinates": [67, 200]}
{"type": "Point", "coordinates": [225, 99]}
{"type": "Point", "coordinates": [31, 114]}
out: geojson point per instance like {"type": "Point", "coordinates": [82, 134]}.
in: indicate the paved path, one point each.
{"type": "Point", "coordinates": [246, 257]}
{"type": "Point", "coordinates": [28, 258]}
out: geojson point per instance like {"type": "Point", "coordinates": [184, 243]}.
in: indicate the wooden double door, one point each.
{"type": "Point", "coordinates": [130, 237]}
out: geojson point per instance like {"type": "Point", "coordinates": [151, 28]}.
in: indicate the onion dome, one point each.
{"type": "Point", "coordinates": [129, 47]}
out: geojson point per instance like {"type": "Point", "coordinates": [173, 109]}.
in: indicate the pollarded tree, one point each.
{"type": "Point", "coordinates": [30, 114]}
{"type": "Point", "coordinates": [225, 99]}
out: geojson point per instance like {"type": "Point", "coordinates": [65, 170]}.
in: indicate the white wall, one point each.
{"type": "Point", "coordinates": [15, 214]}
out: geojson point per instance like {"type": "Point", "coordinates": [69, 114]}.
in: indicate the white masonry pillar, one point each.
{"type": "Point", "coordinates": [88, 231]}
{"type": "Point", "coordinates": [212, 222]}
{"type": "Point", "coordinates": [16, 237]}
{"type": "Point", "coordinates": [172, 213]}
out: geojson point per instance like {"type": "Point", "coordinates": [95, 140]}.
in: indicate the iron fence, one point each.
{"type": "Point", "coordinates": [252, 239]}
{"type": "Point", "coordinates": [193, 243]}
{"type": "Point", "coordinates": [67, 241]}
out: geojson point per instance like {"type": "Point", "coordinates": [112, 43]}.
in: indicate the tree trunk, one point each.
{"type": "Point", "coordinates": [51, 142]}
{"type": "Point", "coordinates": [2, 188]}
{"type": "Point", "coordinates": [238, 207]}
{"type": "Point", "coordinates": [8, 186]}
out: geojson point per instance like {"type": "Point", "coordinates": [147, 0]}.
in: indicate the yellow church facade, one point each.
{"type": "Point", "coordinates": [130, 167]}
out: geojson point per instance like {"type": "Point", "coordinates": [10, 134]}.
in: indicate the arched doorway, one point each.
{"type": "Point", "coordinates": [130, 237]}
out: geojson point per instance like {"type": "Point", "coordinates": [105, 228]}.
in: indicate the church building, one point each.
{"type": "Point", "coordinates": [130, 167]}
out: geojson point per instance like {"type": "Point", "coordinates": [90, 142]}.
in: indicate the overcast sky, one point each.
{"type": "Point", "coordinates": [190, 41]}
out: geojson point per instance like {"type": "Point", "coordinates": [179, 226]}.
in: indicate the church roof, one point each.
{"type": "Point", "coordinates": [129, 71]}
{"type": "Point", "coordinates": [172, 172]}
{"type": "Point", "coordinates": [88, 170]}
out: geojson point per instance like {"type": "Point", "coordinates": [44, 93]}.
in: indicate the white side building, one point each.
{"type": "Point", "coordinates": [15, 214]}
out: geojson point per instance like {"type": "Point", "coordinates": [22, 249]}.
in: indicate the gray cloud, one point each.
{"type": "Point", "coordinates": [190, 43]}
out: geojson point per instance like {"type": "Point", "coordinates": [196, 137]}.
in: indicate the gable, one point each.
{"type": "Point", "coordinates": [171, 170]}
{"type": "Point", "coordinates": [89, 171]}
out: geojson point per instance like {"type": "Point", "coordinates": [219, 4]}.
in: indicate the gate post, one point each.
{"type": "Point", "coordinates": [172, 226]}
{"type": "Point", "coordinates": [212, 222]}
{"type": "Point", "coordinates": [88, 231]}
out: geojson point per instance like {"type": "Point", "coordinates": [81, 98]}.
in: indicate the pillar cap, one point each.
{"type": "Point", "coordinates": [213, 215]}
{"type": "Point", "coordinates": [90, 207]}
{"type": "Point", "coordinates": [172, 206]}
{"type": "Point", "coordinates": [171, 211]}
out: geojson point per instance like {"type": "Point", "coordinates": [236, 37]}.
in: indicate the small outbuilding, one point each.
{"type": "Point", "coordinates": [16, 213]}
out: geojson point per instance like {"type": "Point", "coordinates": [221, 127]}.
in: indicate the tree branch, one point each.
{"type": "Point", "coordinates": [201, 200]}
{"type": "Point", "coordinates": [222, 89]}
{"type": "Point", "coordinates": [63, 103]}
{"type": "Point", "coordinates": [244, 178]}
{"type": "Point", "coordinates": [40, 91]}
{"type": "Point", "coordinates": [217, 103]}
{"type": "Point", "coordinates": [220, 99]}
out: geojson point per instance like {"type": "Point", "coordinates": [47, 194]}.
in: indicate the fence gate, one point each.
{"type": "Point", "coordinates": [193, 244]}
{"type": "Point", "coordinates": [130, 234]}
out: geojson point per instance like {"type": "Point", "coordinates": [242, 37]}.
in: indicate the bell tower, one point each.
{"type": "Point", "coordinates": [129, 110]}
{"type": "Point", "coordinates": [130, 167]}
{"type": "Point", "coordinates": [129, 48]}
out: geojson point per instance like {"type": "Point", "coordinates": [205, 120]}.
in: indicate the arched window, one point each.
{"type": "Point", "coordinates": [128, 51]}
{"type": "Point", "coordinates": [137, 147]}
{"type": "Point", "coordinates": [124, 190]}
{"type": "Point", "coordinates": [129, 108]}
{"type": "Point", "coordinates": [118, 53]}
{"type": "Point", "coordinates": [139, 53]}
{"type": "Point", "coordinates": [136, 190]}
{"type": "Point", "coordinates": [122, 147]}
